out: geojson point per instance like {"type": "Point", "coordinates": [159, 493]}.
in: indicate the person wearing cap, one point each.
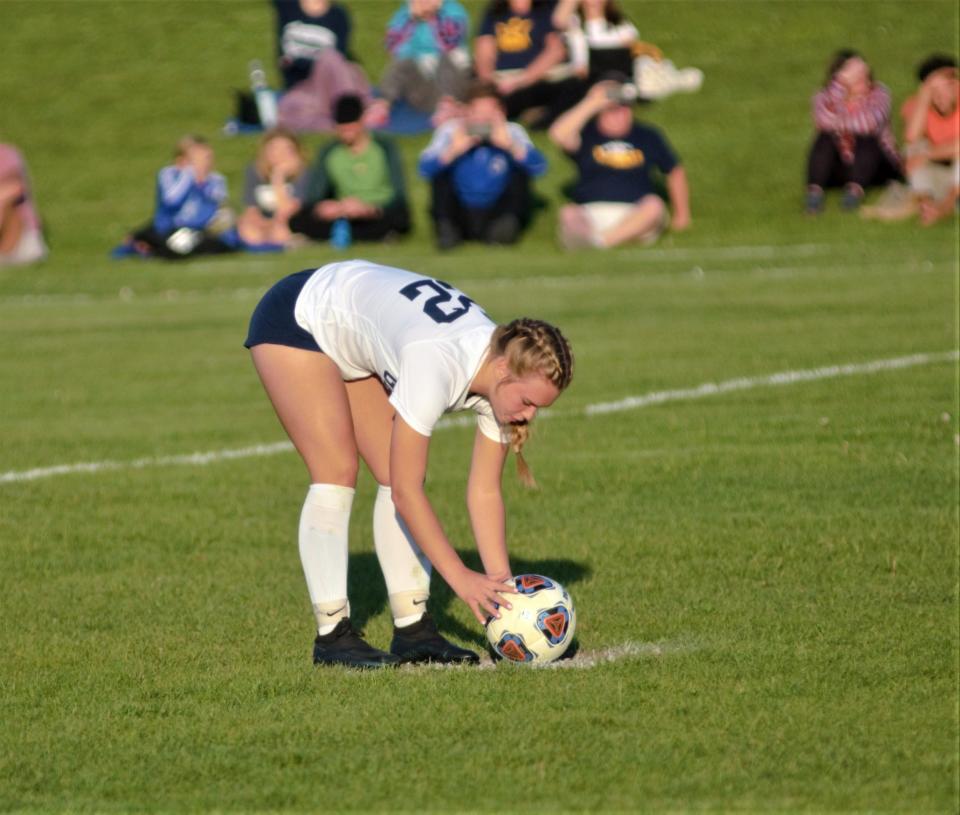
{"type": "Point", "coordinates": [358, 177]}
{"type": "Point", "coordinates": [479, 167]}
{"type": "Point", "coordinates": [618, 160]}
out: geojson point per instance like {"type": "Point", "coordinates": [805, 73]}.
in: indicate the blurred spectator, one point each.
{"type": "Point", "coordinates": [275, 187]}
{"type": "Point", "coordinates": [600, 39]}
{"type": "Point", "coordinates": [305, 30]}
{"type": "Point", "coordinates": [932, 119]}
{"type": "Point", "coordinates": [854, 146]}
{"type": "Point", "coordinates": [357, 178]}
{"type": "Point", "coordinates": [480, 168]}
{"type": "Point", "coordinates": [313, 39]}
{"type": "Point", "coordinates": [615, 195]}
{"type": "Point", "coordinates": [519, 48]}
{"type": "Point", "coordinates": [21, 239]}
{"type": "Point", "coordinates": [429, 60]}
{"type": "Point", "coordinates": [191, 216]}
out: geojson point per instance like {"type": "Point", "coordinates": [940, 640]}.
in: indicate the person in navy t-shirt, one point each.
{"type": "Point", "coordinates": [313, 43]}
{"type": "Point", "coordinates": [519, 49]}
{"type": "Point", "coordinates": [620, 162]}
{"type": "Point", "coordinates": [306, 29]}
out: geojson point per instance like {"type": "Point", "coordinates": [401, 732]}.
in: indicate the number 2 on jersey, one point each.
{"type": "Point", "coordinates": [432, 307]}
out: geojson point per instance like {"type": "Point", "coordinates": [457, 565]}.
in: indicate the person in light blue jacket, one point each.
{"type": "Point", "coordinates": [429, 57]}
{"type": "Point", "coordinates": [480, 166]}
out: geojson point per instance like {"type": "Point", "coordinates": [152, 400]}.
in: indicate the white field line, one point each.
{"type": "Point", "coordinates": [129, 294]}
{"type": "Point", "coordinates": [196, 459]}
{"type": "Point", "coordinates": [581, 660]}
{"type": "Point", "coordinates": [759, 252]}
{"type": "Point", "coordinates": [773, 380]}
{"type": "Point", "coordinates": [629, 403]}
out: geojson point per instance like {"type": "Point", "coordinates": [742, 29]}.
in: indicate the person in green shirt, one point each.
{"type": "Point", "coordinates": [358, 177]}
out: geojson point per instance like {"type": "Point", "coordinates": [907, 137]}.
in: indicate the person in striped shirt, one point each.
{"type": "Point", "coordinates": [854, 146]}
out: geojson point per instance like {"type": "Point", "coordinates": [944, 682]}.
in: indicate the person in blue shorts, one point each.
{"type": "Point", "coordinates": [362, 360]}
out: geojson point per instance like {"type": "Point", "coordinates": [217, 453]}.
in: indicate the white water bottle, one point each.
{"type": "Point", "coordinates": [264, 97]}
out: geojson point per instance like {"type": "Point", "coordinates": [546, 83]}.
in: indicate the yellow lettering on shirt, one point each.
{"type": "Point", "coordinates": [514, 35]}
{"type": "Point", "coordinates": [618, 155]}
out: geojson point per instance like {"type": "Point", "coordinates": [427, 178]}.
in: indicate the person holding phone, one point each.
{"type": "Point", "coordinates": [480, 166]}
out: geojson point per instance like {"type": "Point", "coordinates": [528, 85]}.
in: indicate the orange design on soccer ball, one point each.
{"type": "Point", "coordinates": [556, 624]}
{"type": "Point", "coordinates": [512, 650]}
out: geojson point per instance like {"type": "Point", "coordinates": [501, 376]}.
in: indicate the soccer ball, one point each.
{"type": "Point", "coordinates": [540, 625]}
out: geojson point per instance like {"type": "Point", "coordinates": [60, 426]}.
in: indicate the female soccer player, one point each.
{"type": "Point", "coordinates": [361, 359]}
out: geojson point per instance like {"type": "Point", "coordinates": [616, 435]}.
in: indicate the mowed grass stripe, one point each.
{"type": "Point", "coordinates": [627, 266]}
{"type": "Point", "coordinates": [629, 403]}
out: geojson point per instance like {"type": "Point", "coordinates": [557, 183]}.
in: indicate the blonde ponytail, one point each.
{"type": "Point", "coordinates": [531, 346]}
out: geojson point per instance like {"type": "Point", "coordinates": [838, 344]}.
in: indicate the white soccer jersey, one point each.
{"type": "Point", "coordinates": [423, 338]}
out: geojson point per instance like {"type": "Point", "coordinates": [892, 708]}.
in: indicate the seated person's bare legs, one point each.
{"type": "Point", "coordinates": [253, 227]}
{"type": "Point", "coordinates": [932, 211]}
{"type": "Point", "coordinates": [645, 221]}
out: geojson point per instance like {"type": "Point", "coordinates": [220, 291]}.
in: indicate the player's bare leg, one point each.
{"type": "Point", "coordinates": [406, 569]}
{"type": "Point", "coordinates": [310, 399]}
{"type": "Point", "coordinates": [308, 394]}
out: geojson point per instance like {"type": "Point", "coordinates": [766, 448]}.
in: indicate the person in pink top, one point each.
{"type": "Point", "coordinates": [854, 147]}
{"type": "Point", "coordinates": [21, 239]}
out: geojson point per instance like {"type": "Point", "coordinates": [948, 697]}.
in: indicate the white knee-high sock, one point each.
{"type": "Point", "coordinates": [406, 569]}
{"type": "Point", "coordinates": [324, 522]}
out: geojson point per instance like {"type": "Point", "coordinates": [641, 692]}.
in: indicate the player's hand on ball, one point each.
{"type": "Point", "coordinates": [484, 595]}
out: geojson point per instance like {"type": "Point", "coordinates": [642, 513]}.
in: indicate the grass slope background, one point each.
{"type": "Point", "coordinates": [791, 551]}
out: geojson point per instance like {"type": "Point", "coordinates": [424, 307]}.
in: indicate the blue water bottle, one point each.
{"type": "Point", "coordinates": [340, 235]}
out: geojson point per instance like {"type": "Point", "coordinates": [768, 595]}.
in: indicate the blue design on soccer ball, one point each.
{"type": "Point", "coordinates": [554, 623]}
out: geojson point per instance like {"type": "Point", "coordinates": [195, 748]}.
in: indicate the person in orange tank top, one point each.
{"type": "Point", "coordinates": [932, 134]}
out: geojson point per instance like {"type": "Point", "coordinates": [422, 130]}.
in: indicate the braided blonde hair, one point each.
{"type": "Point", "coordinates": [529, 347]}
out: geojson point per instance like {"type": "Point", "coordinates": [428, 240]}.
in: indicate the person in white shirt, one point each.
{"type": "Point", "coordinates": [362, 360]}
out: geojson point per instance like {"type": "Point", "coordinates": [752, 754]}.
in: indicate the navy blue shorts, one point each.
{"type": "Point", "coordinates": [273, 321]}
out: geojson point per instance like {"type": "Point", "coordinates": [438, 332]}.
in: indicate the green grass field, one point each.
{"type": "Point", "coordinates": [766, 575]}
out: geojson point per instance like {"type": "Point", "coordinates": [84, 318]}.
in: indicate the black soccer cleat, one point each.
{"type": "Point", "coordinates": [344, 646]}
{"type": "Point", "coordinates": [421, 642]}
